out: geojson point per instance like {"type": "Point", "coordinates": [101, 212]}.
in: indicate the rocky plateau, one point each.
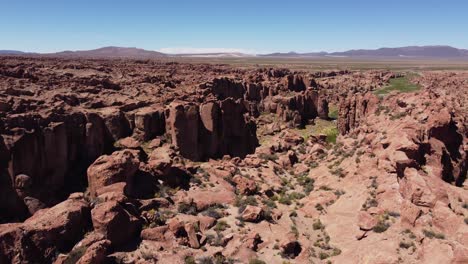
{"type": "Point", "coordinates": [144, 161]}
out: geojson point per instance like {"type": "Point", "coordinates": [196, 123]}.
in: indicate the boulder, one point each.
{"type": "Point", "coordinates": [116, 223]}
{"type": "Point", "coordinates": [120, 166]}
{"type": "Point", "coordinates": [96, 253]}
{"type": "Point", "coordinates": [245, 185]}
{"type": "Point", "coordinates": [50, 231]}
{"type": "Point", "coordinates": [252, 213]}
{"type": "Point", "coordinates": [366, 221]}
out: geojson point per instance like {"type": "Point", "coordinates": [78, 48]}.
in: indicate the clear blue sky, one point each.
{"type": "Point", "coordinates": [257, 26]}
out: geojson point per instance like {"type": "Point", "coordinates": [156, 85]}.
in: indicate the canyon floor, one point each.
{"type": "Point", "coordinates": [144, 161]}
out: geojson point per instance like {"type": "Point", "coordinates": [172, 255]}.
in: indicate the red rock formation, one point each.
{"type": "Point", "coordinates": [353, 109]}
{"type": "Point", "coordinates": [211, 130]}
{"type": "Point", "coordinates": [45, 234]}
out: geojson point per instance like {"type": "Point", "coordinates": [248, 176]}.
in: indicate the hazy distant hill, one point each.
{"type": "Point", "coordinates": [111, 52]}
{"type": "Point", "coordinates": [215, 55]}
{"type": "Point", "coordinates": [11, 52]}
{"type": "Point", "coordinates": [410, 51]}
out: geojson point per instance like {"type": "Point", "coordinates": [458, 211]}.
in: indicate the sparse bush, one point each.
{"type": "Point", "coordinates": [381, 227]}
{"type": "Point", "coordinates": [221, 226]}
{"type": "Point", "coordinates": [295, 231]}
{"type": "Point", "coordinates": [269, 203]}
{"type": "Point", "coordinates": [187, 208]}
{"type": "Point", "coordinates": [317, 225]}
{"type": "Point", "coordinates": [306, 183]}
{"type": "Point", "coordinates": [323, 255]}
{"type": "Point", "coordinates": [256, 261]}
{"type": "Point", "coordinates": [319, 207]}
{"type": "Point", "coordinates": [431, 234]}
{"type": "Point", "coordinates": [336, 252]}
{"type": "Point", "coordinates": [212, 212]}
{"type": "Point", "coordinates": [285, 199]}
{"type": "Point", "coordinates": [406, 245]}
{"type": "Point", "coordinates": [265, 156]}
{"type": "Point", "coordinates": [75, 255]}
{"type": "Point", "coordinates": [189, 260]}
{"type": "Point", "coordinates": [205, 260]}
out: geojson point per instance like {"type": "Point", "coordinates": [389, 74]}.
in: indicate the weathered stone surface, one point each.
{"type": "Point", "coordinates": [115, 222]}
{"type": "Point", "coordinates": [252, 213]}
{"type": "Point", "coordinates": [45, 234]}
{"type": "Point", "coordinates": [120, 166]}
{"type": "Point", "coordinates": [211, 130]}
{"type": "Point", "coordinates": [150, 122]}
{"type": "Point", "coordinates": [353, 109]}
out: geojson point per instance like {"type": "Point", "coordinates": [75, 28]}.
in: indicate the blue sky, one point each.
{"type": "Point", "coordinates": [248, 26]}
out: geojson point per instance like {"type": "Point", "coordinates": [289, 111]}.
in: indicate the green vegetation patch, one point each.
{"type": "Point", "coordinates": [333, 112]}
{"type": "Point", "coordinates": [326, 127]}
{"type": "Point", "coordinates": [400, 84]}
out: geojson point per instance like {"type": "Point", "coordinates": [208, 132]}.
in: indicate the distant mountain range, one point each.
{"type": "Point", "coordinates": [400, 52]}
{"type": "Point", "coordinates": [11, 52]}
{"type": "Point", "coordinates": [112, 52]}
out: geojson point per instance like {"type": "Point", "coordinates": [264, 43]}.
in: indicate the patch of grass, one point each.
{"type": "Point", "coordinates": [333, 112]}
{"type": "Point", "coordinates": [332, 134]}
{"type": "Point", "coordinates": [400, 84]}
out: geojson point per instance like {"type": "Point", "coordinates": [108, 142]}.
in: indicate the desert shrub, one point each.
{"type": "Point", "coordinates": [336, 252]}
{"type": "Point", "coordinates": [306, 183]}
{"type": "Point", "coordinates": [221, 226]}
{"type": "Point", "coordinates": [319, 207]}
{"type": "Point", "coordinates": [205, 260]}
{"type": "Point", "coordinates": [295, 231]}
{"type": "Point", "coordinates": [212, 211]}
{"type": "Point", "coordinates": [431, 234]}
{"type": "Point", "coordinates": [323, 255]}
{"type": "Point", "coordinates": [285, 199]}
{"type": "Point", "coordinates": [256, 261]}
{"type": "Point", "coordinates": [265, 156]}
{"type": "Point", "coordinates": [75, 255]}
{"type": "Point", "coordinates": [187, 208]}
{"type": "Point", "coordinates": [317, 225]}
{"type": "Point", "coordinates": [270, 203]}
{"type": "Point", "coordinates": [189, 260]}
{"type": "Point", "coordinates": [381, 227]}
{"type": "Point", "coordinates": [406, 245]}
